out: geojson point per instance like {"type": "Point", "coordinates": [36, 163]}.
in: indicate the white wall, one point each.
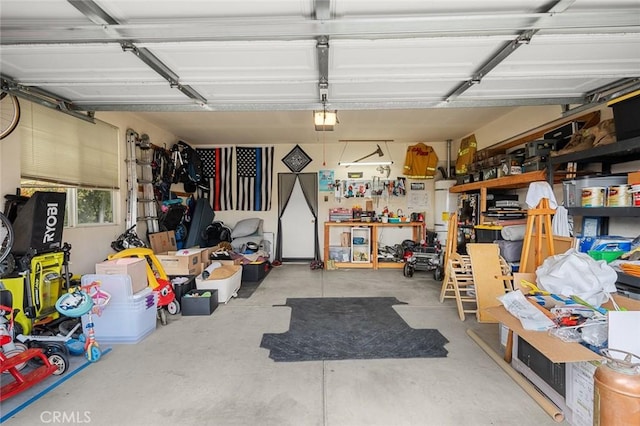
{"type": "Point", "coordinates": [326, 158]}
{"type": "Point", "coordinates": [92, 244]}
{"type": "Point", "coordinates": [526, 120]}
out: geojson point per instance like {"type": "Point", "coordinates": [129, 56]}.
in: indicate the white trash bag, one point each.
{"type": "Point", "coordinates": [575, 273]}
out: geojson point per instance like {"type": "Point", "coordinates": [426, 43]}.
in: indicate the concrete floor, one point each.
{"type": "Point", "coordinates": [210, 370]}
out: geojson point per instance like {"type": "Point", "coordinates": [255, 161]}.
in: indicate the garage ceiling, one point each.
{"type": "Point", "coordinates": [219, 71]}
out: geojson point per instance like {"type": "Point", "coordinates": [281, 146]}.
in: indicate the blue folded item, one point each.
{"type": "Point", "coordinates": [604, 243]}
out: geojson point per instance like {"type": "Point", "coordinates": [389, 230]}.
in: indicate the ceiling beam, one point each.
{"type": "Point", "coordinates": [287, 28]}
{"type": "Point", "coordinates": [44, 98]}
{"type": "Point", "coordinates": [106, 22]}
{"type": "Point", "coordinates": [307, 106]}
{"type": "Point", "coordinates": [323, 12]}
{"type": "Point", "coordinates": [523, 38]}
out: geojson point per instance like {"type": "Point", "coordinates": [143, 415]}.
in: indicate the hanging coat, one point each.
{"type": "Point", "coordinates": [420, 162]}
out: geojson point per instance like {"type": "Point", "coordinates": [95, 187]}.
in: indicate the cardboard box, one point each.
{"type": "Point", "coordinates": [194, 303]}
{"type": "Point", "coordinates": [180, 265]}
{"type": "Point", "coordinates": [163, 242]}
{"type": "Point", "coordinates": [345, 239]}
{"type": "Point", "coordinates": [135, 267]}
{"type": "Point", "coordinates": [551, 347]}
{"type": "Point", "coordinates": [579, 392]}
{"type": "Point", "coordinates": [633, 178]}
{"type": "Point", "coordinates": [205, 257]}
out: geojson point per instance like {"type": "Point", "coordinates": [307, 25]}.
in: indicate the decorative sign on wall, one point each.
{"type": "Point", "coordinates": [325, 180]}
{"type": "Point", "coordinates": [296, 160]}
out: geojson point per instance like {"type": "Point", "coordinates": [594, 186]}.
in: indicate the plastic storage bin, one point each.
{"type": "Point", "coordinates": [119, 286]}
{"type": "Point", "coordinates": [488, 233]}
{"type": "Point", "coordinates": [128, 322]}
{"type": "Point", "coordinates": [339, 254]}
{"type": "Point", "coordinates": [253, 272]}
{"type": "Point", "coordinates": [227, 287]}
{"type": "Point", "coordinates": [199, 304]}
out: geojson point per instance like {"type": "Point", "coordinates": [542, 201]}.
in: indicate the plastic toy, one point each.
{"type": "Point", "coordinates": [158, 280]}
{"type": "Point", "coordinates": [428, 257]}
{"type": "Point", "coordinates": [55, 351]}
{"type": "Point", "coordinates": [86, 300]}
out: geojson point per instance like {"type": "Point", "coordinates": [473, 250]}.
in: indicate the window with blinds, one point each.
{"type": "Point", "coordinates": [67, 151]}
{"type": "Point", "coordinates": [65, 154]}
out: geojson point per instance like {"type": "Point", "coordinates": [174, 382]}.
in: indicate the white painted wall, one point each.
{"type": "Point", "coordinates": [92, 244]}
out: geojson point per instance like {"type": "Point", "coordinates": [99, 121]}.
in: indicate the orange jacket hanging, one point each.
{"type": "Point", "coordinates": [420, 162]}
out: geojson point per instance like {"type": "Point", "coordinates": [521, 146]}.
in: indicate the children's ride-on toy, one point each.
{"type": "Point", "coordinates": [424, 258]}
{"type": "Point", "coordinates": [158, 280]}
{"type": "Point", "coordinates": [56, 352]}
{"type": "Point", "coordinates": [15, 356]}
{"type": "Point", "coordinates": [21, 381]}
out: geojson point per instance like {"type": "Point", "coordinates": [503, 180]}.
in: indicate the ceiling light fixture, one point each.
{"type": "Point", "coordinates": [325, 120]}
{"type": "Point", "coordinates": [372, 163]}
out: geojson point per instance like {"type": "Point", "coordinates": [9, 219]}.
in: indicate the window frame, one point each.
{"type": "Point", "coordinates": [71, 219]}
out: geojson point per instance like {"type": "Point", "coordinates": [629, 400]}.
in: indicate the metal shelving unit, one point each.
{"type": "Point", "coordinates": [607, 155]}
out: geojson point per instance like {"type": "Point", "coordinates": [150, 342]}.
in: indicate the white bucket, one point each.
{"type": "Point", "coordinates": [594, 196]}
{"type": "Point", "coordinates": [619, 196]}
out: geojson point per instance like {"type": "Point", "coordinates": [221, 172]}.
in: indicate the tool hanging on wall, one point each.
{"type": "Point", "coordinates": [337, 190]}
{"type": "Point", "coordinates": [377, 151]}
{"type": "Point", "coordinates": [383, 169]}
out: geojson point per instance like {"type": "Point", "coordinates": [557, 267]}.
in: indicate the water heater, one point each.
{"type": "Point", "coordinates": [445, 204]}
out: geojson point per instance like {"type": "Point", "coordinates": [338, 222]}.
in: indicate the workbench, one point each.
{"type": "Point", "coordinates": [418, 234]}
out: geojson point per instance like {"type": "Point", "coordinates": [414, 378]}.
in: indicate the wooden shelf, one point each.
{"type": "Point", "coordinates": [506, 182]}
{"type": "Point", "coordinates": [417, 233]}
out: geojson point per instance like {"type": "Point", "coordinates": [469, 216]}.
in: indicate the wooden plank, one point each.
{"type": "Point", "coordinates": [506, 182]}
{"type": "Point", "coordinates": [560, 245]}
{"type": "Point", "coordinates": [487, 273]}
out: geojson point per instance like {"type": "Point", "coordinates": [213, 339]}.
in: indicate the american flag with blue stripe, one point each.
{"type": "Point", "coordinates": [254, 178]}
{"type": "Point", "coordinates": [216, 168]}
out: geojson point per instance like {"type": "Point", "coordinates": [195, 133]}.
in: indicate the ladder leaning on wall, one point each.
{"type": "Point", "coordinates": [141, 202]}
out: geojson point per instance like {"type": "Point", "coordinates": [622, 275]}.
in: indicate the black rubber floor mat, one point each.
{"type": "Point", "coordinates": [350, 328]}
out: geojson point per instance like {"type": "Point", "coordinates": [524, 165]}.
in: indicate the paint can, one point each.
{"type": "Point", "coordinates": [635, 195]}
{"type": "Point", "coordinates": [619, 196]}
{"type": "Point", "coordinates": [594, 196]}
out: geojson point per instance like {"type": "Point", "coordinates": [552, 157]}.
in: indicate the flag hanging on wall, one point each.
{"type": "Point", "coordinates": [254, 178]}
{"type": "Point", "coordinates": [216, 168]}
